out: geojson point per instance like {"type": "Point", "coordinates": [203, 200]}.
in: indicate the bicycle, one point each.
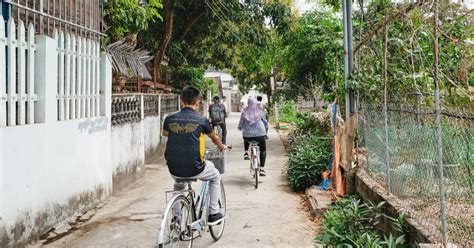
{"type": "Point", "coordinates": [254, 160]}
{"type": "Point", "coordinates": [185, 214]}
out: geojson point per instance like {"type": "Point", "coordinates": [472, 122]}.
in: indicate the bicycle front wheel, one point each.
{"type": "Point", "coordinates": [175, 224]}
{"type": "Point", "coordinates": [218, 230]}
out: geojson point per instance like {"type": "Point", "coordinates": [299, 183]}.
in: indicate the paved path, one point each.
{"type": "Point", "coordinates": [267, 217]}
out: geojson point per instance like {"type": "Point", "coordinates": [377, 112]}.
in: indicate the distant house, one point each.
{"type": "Point", "coordinates": [227, 89]}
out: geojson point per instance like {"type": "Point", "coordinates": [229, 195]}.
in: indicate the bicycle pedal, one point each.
{"type": "Point", "coordinates": [217, 222]}
{"type": "Point", "coordinates": [197, 225]}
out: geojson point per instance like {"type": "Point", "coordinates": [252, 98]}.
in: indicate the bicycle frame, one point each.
{"type": "Point", "coordinates": [199, 206]}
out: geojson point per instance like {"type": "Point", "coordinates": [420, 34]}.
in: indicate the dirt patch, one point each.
{"type": "Point", "coordinates": [305, 207]}
{"type": "Point", "coordinates": [284, 135]}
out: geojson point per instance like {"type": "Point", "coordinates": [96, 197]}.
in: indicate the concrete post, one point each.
{"type": "Point", "coordinates": [46, 85]}
{"type": "Point", "coordinates": [2, 163]}
{"type": "Point", "coordinates": [161, 119]}
{"type": "Point", "coordinates": [229, 100]}
{"type": "Point", "coordinates": [142, 107]}
{"type": "Point", "coordinates": [207, 103]}
{"type": "Point", "coordinates": [105, 86]}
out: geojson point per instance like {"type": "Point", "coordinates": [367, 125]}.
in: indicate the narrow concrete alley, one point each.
{"type": "Point", "coordinates": [270, 216]}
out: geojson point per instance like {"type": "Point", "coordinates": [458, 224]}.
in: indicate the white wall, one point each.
{"type": "Point", "coordinates": [152, 133]}
{"type": "Point", "coordinates": [133, 144]}
{"type": "Point", "coordinates": [128, 150]}
{"type": "Point", "coordinates": [52, 170]}
{"type": "Point", "coordinates": [51, 166]}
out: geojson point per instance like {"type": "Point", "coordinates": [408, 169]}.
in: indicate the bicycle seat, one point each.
{"type": "Point", "coordinates": [185, 180]}
{"type": "Point", "coordinates": [253, 143]}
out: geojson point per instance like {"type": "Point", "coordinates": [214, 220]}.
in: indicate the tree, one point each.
{"type": "Point", "coordinates": [410, 54]}
{"type": "Point", "coordinates": [313, 45]}
{"type": "Point", "coordinates": [128, 17]}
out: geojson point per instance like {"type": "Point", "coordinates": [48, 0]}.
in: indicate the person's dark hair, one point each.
{"type": "Point", "coordinates": [190, 95]}
{"type": "Point", "coordinates": [259, 98]}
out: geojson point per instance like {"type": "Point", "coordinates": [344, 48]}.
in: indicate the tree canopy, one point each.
{"type": "Point", "coordinates": [250, 38]}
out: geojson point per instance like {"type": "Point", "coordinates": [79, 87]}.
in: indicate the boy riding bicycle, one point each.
{"type": "Point", "coordinates": [185, 149]}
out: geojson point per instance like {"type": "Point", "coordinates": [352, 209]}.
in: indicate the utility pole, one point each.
{"type": "Point", "coordinates": [273, 88]}
{"type": "Point", "coordinates": [348, 56]}
{"type": "Point", "coordinates": [349, 99]}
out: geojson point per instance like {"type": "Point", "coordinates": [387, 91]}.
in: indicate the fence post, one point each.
{"type": "Point", "coordinates": [46, 79]}
{"type": "Point", "coordinates": [385, 110]}
{"type": "Point", "coordinates": [105, 86]}
{"type": "Point", "coordinates": [277, 114]}
{"type": "Point", "coordinates": [3, 72]}
{"type": "Point", "coordinates": [439, 144]}
{"type": "Point", "coordinates": [179, 102]}
{"type": "Point", "coordinates": [21, 52]}
{"type": "Point", "coordinates": [159, 116]}
{"type": "Point", "coordinates": [142, 107]}
{"type": "Point", "coordinates": [11, 72]}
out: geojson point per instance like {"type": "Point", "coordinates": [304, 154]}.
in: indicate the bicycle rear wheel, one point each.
{"type": "Point", "coordinates": [218, 230]}
{"type": "Point", "coordinates": [255, 165]}
{"type": "Point", "coordinates": [174, 228]}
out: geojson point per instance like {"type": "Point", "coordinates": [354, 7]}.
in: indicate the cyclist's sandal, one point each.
{"type": "Point", "coordinates": [262, 173]}
{"type": "Point", "coordinates": [246, 156]}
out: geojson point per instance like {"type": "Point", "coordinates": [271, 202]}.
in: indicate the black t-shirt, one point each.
{"type": "Point", "coordinates": [186, 142]}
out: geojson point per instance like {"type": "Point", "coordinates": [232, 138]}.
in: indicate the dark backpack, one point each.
{"type": "Point", "coordinates": [217, 113]}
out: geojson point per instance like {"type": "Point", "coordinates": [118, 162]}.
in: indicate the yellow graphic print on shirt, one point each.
{"type": "Point", "coordinates": [188, 128]}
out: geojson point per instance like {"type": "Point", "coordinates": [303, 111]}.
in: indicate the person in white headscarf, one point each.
{"type": "Point", "coordinates": [254, 125]}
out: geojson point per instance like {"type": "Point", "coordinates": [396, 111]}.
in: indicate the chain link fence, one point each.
{"type": "Point", "coordinates": [406, 164]}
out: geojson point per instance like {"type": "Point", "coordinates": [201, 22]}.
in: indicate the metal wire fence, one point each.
{"type": "Point", "coordinates": [410, 168]}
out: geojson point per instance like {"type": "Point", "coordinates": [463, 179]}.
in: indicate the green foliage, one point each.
{"type": "Point", "coordinates": [410, 53]}
{"type": "Point", "coordinates": [259, 48]}
{"type": "Point", "coordinates": [183, 76]}
{"type": "Point", "coordinates": [307, 160]}
{"type": "Point", "coordinates": [353, 223]}
{"type": "Point", "coordinates": [311, 46]}
{"type": "Point", "coordinates": [308, 126]}
{"type": "Point", "coordinates": [127, 16]}
{"type": "Point", "coordinates": [289, 112]}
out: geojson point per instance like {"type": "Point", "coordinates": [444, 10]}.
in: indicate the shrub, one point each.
{"type": "Point", "coordinates": [311, 124]}
{"type": "Point", "coordinates": [289, 112]}
{"type": "Point", "coordinates": [353, 223]}
{"type": "Point", "coordinates": [307, 160]}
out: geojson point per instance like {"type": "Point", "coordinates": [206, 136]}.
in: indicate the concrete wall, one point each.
{"type": "Point", "coordinates": [53, 170]}
{"type": "Point", "coordinates": [154, 147]}
{"type": "Point", "coordinates": [128, 151]}
{"type": "Point", "coordinates": [371, 191]}
{"type": "Point", "coordinates": [133, 145]}
{"type": "Point", "coordinates": [50, 172]}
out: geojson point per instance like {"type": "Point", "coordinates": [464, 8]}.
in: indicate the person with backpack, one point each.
{"type": "Point", "coordinates": [217, 114]}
